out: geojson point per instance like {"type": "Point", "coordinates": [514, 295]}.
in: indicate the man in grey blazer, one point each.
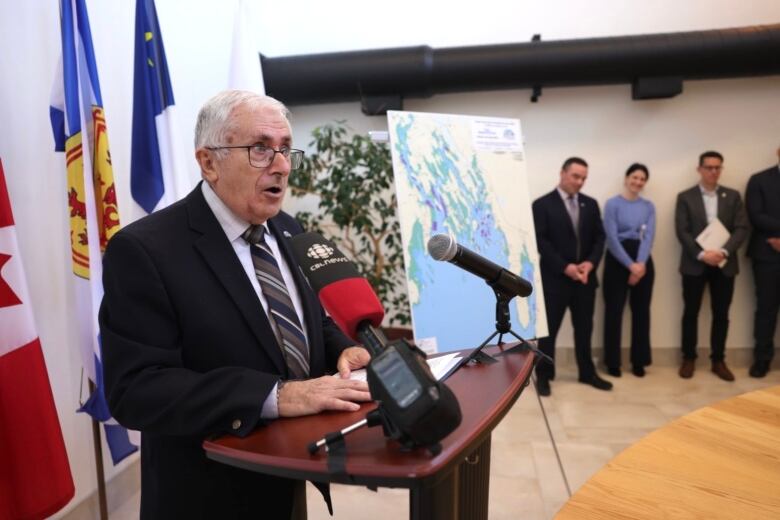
{"type": "Point", "coordinates": [696, 208]}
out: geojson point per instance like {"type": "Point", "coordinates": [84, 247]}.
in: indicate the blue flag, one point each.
{"type": "Point", "coordinates": [153, 166]}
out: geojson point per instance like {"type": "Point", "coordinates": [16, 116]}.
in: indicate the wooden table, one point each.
{"type": "Point", "coordinates": [452, 484]}
{"type": "Point", "coordinates": [719, 462]}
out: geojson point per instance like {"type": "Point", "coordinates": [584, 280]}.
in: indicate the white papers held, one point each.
{"type": "Point", "coordinates": [714, 237]}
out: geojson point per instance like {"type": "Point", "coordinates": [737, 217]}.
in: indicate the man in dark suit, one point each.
{"type": "Point", "coordinates": [762, 201]}
{"type": "Point", "coordinates": [570, 238]}
{"type": "Point", "coordinates": [696, 208]}
{"type": "Point", "coordinates": [195, 343]}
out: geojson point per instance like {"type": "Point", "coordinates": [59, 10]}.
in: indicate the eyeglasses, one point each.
{"type": "Point", "coordinates": [261, 156]}
{"type": "Point", "coordinates": [711, 168]}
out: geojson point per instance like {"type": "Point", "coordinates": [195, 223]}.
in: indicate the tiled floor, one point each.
{"type": "Point", "coordinates": [589, 427]}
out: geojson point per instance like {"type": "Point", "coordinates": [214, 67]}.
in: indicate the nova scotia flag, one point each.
{"type": "Point", "coordinates": [79, 127]}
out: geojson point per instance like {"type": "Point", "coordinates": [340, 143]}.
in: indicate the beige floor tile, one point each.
{"type": "Point", "coordinates": [610, 415]}
{"type": "Point", "coordinates": [129, 510]}
{"type": "Point", "coordinates": [515, 498]}
{"type": "Point", "coordinates": [581, 461]}
{"type": "Point", "coordinates": [551, 483]}
{"type": "Point", "coordinates": [512, 460]}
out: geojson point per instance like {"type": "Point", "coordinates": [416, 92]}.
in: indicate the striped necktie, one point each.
{"type": "Point", "coordinates": [284, 320]}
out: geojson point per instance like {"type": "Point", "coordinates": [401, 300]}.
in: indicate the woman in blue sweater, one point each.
{"type": "Point", "coordinates": [629, 223]}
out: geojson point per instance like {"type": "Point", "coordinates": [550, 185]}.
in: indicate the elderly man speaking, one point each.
{"type": "Point", "coordinates": [208, 326]}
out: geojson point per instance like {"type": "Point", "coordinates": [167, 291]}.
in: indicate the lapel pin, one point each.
{"type": "Point", "coordinates": [286, 234]}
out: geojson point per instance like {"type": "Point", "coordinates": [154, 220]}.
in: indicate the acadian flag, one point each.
{"type": "Point", "coordinates": [35, 478]}
{"type": "Point", "coordinates": [156, 175]}
{"type": "Point", "coordinates": [79, 127]}
{"type": "Point", "coordinates": [245, 73]}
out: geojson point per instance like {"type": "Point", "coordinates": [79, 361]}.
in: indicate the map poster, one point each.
{"type": "Point", "coordinates": [464, 176]}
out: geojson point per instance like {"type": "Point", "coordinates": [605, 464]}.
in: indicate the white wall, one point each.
{"type": "Point", "coordinates": [737, 117]}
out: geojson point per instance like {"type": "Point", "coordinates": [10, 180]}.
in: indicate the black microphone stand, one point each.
{"type": "Point", "coordinates": [503, 326]}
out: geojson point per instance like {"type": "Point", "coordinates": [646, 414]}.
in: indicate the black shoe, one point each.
{"type": "Point", "coordinates": [543, 386]}
{"type": "Point", "coordinates": [759, 368]}
{"type": "Point", "coordinates": [614, 372]}
{"type": "Point", "coordinates": [638, 371]}
{"type": "Point", "coordinates": [596, 382]}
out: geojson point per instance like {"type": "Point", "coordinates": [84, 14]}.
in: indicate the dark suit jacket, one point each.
{"type": "Point", "coordinates": [188, 352]}
{"type": "Point", "coordinates": [557, 242]}
{"type": "Point", "coordinates": [762, 200]}
{"type": "Point", "coordinates": [690, 219]}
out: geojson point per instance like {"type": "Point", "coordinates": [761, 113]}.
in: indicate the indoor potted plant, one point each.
{"type": "Point", "coordinates": [351, 178]}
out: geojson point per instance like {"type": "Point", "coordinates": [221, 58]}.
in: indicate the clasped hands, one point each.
{"type": "Point", "coordinates": [579, 272]}
{"type": "Point", "coordinates": [336, 392]}
{"type": "Point", "coordinates": [713, 257]}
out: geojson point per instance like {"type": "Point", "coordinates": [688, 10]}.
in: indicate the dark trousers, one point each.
{"type": "Point", "coordinates": [559, 295]}
{"type": "Point", "coordinates": [721, 291]}
{"type": "Point", "coordinates": [616, 289]}
{"type": "Point", "coordinates": [767, 278]}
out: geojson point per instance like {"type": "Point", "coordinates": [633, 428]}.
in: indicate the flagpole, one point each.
{"type": "Point", "coordinates": [97, 443]}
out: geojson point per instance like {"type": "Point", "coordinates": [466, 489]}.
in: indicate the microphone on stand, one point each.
{"type": "Point", "coordinates": [444, 248]}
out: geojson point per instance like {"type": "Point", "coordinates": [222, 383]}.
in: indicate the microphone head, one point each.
{"type": "Point", "coordinates": [442, 247]}
{"type": "Point", "coordinates": [347, 296]}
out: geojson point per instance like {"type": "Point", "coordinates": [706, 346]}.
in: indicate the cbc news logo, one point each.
{"type": "Point", "coordinates": [319, 251]}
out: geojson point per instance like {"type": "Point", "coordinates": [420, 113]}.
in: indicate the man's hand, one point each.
{"type": "Point", "coordinates": [633, 279]}
{"type": "Point", "coordinates": [584, 269]}
{"type": "Point", "coordinates": [774, 243]}
{"type": "Point", "coordinates": [572, 272]}
{"type": "Point", "coordinates": [324, 393]}
{"type": "Point", "coordinates": [712, 257]}
{"type": "Point", "coordinates": [350, 359]}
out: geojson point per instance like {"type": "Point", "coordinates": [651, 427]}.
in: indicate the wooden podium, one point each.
{"type": "Point", "coordinates": [453, 484]}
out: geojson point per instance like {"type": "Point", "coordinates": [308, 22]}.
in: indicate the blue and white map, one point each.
{"type": "Point", "coordinates": [464, 176]}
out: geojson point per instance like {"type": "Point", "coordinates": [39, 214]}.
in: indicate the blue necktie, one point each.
{"type": "Point", "coordinates": [283, 318]}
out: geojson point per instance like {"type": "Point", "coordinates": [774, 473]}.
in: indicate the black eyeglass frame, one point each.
{"type": "Point", "coordinates": [292, 154]}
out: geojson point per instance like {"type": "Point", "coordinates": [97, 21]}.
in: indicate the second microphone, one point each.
{"type": "Point", "coordinates": [443, 247]}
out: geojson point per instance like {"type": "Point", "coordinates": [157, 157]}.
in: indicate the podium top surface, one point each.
{"type": "Point", "coordinates": [485, 393]}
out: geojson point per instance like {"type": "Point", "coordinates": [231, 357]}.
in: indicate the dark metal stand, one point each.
{"type": "Point", "coordinates": [503, 326]}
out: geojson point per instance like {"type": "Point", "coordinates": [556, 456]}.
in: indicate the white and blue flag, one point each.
{"type": "Point", "coordinates": [79, 127]}
{"type": "Point", "coordinates": [157, 177]}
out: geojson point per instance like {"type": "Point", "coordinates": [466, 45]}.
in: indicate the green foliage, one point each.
{"type": "Point", "coordinates": [352, 177]}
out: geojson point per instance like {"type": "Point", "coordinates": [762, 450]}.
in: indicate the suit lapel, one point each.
{"type": "Point", "coordinates": [308, 300]}
{"type": "Point", "coordinates": [699, 211]}
{"type": "Point", "coordinates": [219, 254]}
{"type": "Point", "coordinates": [722, 206]}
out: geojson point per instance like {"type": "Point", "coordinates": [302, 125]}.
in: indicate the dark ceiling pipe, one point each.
{"type": "Point", "coordinates": [655, 64]}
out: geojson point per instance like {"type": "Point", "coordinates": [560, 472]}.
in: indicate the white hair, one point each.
{"type": "Point", "coordinates": [214, 121]}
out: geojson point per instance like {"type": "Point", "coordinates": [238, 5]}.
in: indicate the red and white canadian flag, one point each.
{"type": "Point", "coordinates": [35, 478]}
